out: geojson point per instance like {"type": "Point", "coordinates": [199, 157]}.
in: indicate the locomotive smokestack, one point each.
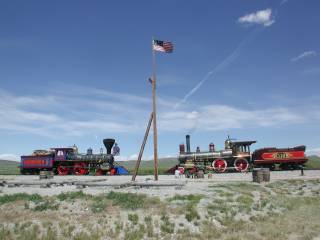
{"type": "Point", "coordinates": [188, 143]}
{"type": "Point", "coordinates": [108, 143]}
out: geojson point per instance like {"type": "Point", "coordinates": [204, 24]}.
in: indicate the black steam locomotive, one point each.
{"type": "Point", "coordinates": [236, 156]}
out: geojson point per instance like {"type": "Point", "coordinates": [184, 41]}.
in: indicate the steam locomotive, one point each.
{"type": "Point", "coordinates": [63, 161]}
{"type": "Point", "coordinates": [236, 156]}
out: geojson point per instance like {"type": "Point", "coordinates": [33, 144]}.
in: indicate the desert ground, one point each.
{"type": "Point", "coordinates": [227, 206]}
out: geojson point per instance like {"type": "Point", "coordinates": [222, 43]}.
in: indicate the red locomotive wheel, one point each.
{"type": "Point", "coordinates": [113, 171]}
{"type": "Point", "coordinates": [100, 172]}
{"type": "Point", "coordinates": [219, 165]}
{"type": "Point", "coordinates": [80, 168]}
{"type": "Point", "coordinates": [241, 164]}
{"type": "Point", "coordinates": [62, 170]}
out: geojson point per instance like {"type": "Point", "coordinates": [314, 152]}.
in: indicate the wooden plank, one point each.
{"type": "Point", "coordinates": [142, 148]}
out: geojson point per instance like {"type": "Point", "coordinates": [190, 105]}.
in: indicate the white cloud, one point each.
{"type": "Point", "coordinates": [168, 156]}
{"type": "Point", "coordinates": [94, 112]}
{"type": "Point", "coordinates": [150, 157]}
{"type": "Point", "coordinates": [133, 157]}
{"type": "Point", "coordinates": [303, 55]}
{"type": "Point", "coordinates": [120, 158]}
{"type": "Point", "coordinates": [222, 117]}
{"type": "Point", "coordinates": [9, 156]}
{"type": "Point", "coordinates": [262, 17]}
{"type": "Point", "coordinates": [76, 115]}
{"type": "Point", "coordinates": [313, 151]}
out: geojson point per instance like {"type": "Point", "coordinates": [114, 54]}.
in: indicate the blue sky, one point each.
{"type": "Point", "coordinates": [75, 72]}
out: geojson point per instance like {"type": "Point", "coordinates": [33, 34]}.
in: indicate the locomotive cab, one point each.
{"type": "Point", "coordinates": [241, 148]}
{"type": "Point", "coordinates": [62, 154]}
{"type": "Point", "coordinates": [238, 147]}
{"type": "Point", "coordinates": [241, 153]}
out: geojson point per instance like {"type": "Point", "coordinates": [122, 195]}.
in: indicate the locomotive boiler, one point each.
{"type": "Point", "coordinates": [67, 160]}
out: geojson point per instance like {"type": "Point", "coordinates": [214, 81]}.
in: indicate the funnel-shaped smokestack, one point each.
{"type": "Point", "coordinates": [108, 143]}
{"type": "Point", "coordinates": [188, 143]}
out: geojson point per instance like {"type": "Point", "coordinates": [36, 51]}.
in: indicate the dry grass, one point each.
{"type": "Point", "coordinates": [280, 210]}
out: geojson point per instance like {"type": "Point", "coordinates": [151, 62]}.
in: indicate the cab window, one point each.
{"type": "Point", "coordinates": [60, 153]}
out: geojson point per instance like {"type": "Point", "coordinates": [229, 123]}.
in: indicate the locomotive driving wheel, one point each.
{"type": "Point", "coordinates": [62, 170]}
{"type": "Point", "coordinates": [241, 164]}
{"type": "Point", "coordinates": [100, 172]}
{"type": "Point", "coordinates": [80, 168]}
{"type": "Point", "coordinates": [219, 165]}
{"type": "Point", "coordinates": [113, 171]}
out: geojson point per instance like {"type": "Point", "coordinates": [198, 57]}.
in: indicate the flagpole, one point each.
{"type": "Point", "coordinates": [155, 132]}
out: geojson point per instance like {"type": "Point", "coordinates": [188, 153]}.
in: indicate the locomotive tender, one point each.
{"type": "Point", "coordinates": [63, 161]}
{"type": "Point", "coordinates": [236, 156]}
{"type": "Point", "coordinates": [286, 158]}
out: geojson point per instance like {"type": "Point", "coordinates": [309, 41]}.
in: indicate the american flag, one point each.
{"type": "Point", "coordinates": [162, 46]}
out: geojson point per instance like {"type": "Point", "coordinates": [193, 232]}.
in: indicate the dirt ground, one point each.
{"type": "Point", "coordinates": [228, 206]}
{"type": "Point", "coordinates": [190, 186]}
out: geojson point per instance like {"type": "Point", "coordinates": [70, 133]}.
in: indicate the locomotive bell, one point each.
{"type": "Point", "coordinates": [108, 143]}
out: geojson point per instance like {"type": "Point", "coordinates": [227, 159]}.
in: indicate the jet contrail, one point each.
{"type": "Point", "coordinates": [226, 62]}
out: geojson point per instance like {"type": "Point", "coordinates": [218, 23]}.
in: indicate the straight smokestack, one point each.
{"type": "Point", "coordinates": [188, 143]}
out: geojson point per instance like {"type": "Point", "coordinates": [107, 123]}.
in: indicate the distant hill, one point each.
{"type": "Point", "coordinates": [313, 163]}
{"type": "Point", "coordinates": [146, 166]}
{"type": "Point", "coordinates": [2, 161]}
{"type": "Point", "coordinates": [9, 167]}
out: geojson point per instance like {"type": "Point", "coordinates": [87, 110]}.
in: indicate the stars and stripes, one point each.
{"type": "Point", "coordinates": [162, 46]}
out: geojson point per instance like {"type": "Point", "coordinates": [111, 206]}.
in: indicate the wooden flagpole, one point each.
{"type": "Point", "coordinates": [154, 107]}
{"type": "Point", "coordinates": [153, 120]}
{"type": "Point", "coordinates": [142, 148]}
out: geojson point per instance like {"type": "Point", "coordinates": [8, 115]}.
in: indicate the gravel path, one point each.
{"type": "Point", "coordinates": [190, 186]}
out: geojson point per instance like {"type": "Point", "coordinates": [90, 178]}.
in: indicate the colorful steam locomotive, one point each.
{"type": "Point", "coordinates": [63, 161]}
{"type": "Point", "coordinates": [237, 157]}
